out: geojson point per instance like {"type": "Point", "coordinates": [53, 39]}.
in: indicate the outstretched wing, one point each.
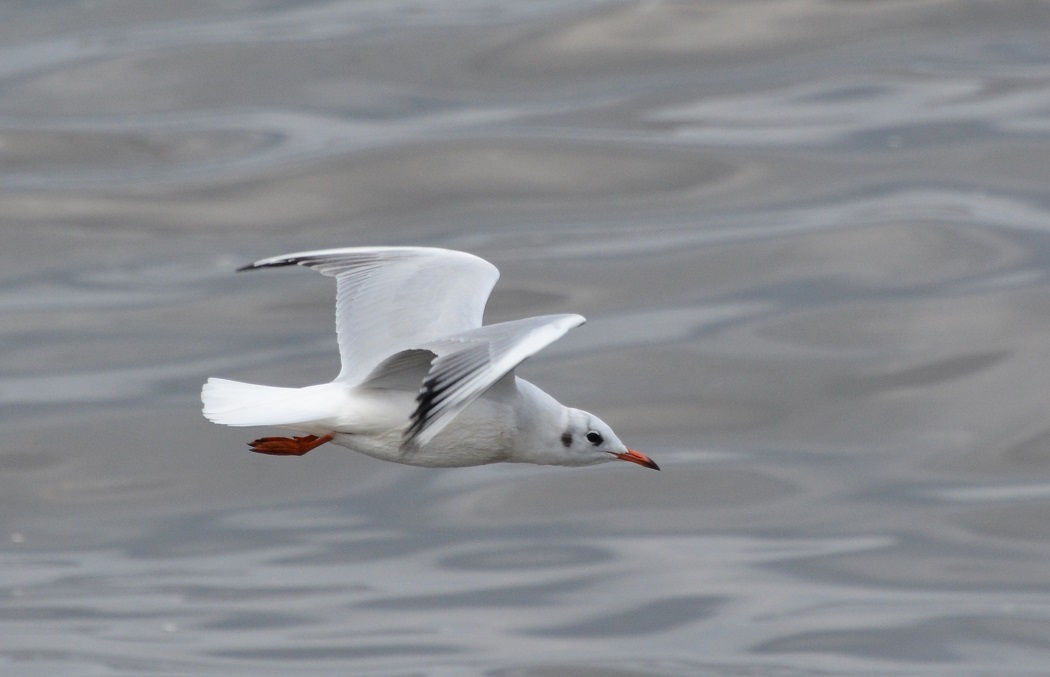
{"type": "Point", "coordinates": [390, 299]}
{"type": "Point", "coordinates": [469, 364]}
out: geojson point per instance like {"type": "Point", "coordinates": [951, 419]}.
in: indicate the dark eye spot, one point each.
{"type": "Point", "coordinates": [566, 439]}
{"type": "Point", "coordinates": [594, 437]}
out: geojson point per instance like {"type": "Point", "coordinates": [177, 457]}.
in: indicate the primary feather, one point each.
{"type": "Point", "coordinates": [445, 292]}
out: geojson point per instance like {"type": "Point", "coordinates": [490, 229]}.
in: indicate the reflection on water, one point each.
{"type": "Point", "coordinates": [810, 239]}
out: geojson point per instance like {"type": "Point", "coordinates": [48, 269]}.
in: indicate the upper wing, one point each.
{"type": "Point", "coordinates": [391, 299]}
{"type": "Point", "coordinates": [469, 364]}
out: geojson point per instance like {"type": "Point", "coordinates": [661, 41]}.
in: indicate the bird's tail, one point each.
{"type": "Point", "coordinates": [247, 404]}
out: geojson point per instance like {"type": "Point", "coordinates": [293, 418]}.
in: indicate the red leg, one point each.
{"type": "Point", "coordinates": [288, 446]}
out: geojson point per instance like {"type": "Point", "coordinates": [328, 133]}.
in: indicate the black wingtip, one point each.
{"type": "Point", "coordinates": [270, 264]}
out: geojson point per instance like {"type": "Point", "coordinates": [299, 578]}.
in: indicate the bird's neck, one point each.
{"type": "Point", "coordinates": [536, 411]}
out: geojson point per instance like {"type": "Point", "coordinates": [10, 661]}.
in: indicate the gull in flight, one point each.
{"type": "Point", "coordinates": [423, 382]}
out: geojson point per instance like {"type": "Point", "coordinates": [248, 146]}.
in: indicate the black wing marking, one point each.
{"type": "Point", "coordinates": [450, 374]}
{"type": "Point", "coordinates": [472, 362]}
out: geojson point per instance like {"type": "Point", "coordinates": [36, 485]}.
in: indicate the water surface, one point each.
{"type": "Point", "coordinates": [811, 241]}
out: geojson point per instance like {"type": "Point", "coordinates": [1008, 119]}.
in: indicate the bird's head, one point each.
{"type": "Point", "coordinates": [588, 440]}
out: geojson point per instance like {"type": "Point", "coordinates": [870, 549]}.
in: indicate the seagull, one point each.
{"type": "Point", "coordinates": [422, 382]}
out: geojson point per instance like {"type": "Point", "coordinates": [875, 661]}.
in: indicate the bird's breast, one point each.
{"type": "Point", "coordinates": [482, 433]}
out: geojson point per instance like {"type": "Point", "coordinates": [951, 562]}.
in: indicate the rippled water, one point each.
{"type": "Point", "coordinates": [812, 241]}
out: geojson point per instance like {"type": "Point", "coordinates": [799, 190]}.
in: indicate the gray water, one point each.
{"type": "Point", "coordinates": [811, 238]}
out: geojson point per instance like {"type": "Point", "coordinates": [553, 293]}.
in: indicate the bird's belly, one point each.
{"type": "Point", "coordinates": [479, 435]}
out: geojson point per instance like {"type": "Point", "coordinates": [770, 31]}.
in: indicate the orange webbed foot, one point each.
{"type": "Point", "coordinates": [288, 446]}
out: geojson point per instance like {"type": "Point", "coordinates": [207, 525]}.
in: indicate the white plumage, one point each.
{"type": "Point", "coordinates": [423, 382]}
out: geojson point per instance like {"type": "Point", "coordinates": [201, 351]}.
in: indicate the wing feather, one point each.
{"type": "Point", "coordinates": [390, 299]}
{"type": "Point", "coordinates": [470, 363]}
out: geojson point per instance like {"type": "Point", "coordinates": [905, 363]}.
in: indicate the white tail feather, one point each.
{"type": "Point", "coordinates": [247, 404]}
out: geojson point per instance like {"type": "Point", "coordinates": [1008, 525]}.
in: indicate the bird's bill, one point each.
{"type": "Point", "coordinates": [637, 457]}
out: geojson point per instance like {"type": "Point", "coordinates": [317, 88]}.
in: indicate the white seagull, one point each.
{"type": "Point", "coordinates": [422, 381]}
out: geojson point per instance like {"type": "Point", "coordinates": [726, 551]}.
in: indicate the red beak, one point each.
{"type": "Point", "coordinates": [637, 457]}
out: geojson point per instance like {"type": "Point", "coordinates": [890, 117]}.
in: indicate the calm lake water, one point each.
{"type": "Point", "coordinates": [812, 240]}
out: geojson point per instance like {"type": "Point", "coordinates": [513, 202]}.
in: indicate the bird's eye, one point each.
{"type": "Point", "coordinates": [594, 437]}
